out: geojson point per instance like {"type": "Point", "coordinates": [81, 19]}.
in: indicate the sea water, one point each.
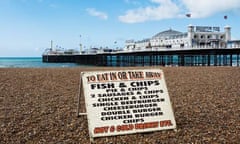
{"type": "Point", "coordinates": [30, 62]}
{"type": "Point", "coordinates": [36, 62]}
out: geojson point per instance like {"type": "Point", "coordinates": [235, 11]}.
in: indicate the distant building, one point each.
{"type": "Point", "coordinates": [196, 37]}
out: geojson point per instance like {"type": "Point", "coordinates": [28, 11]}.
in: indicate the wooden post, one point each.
{"type": "Point", "coordinates": [80, 98]}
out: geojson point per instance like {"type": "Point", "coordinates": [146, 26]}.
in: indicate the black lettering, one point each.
{"type": "Point", "coordinates": [121, 85]}
{"type": "Point", "coordinates": [145, 83]}
{"type": "Point", "coordinates": [102, 86]}
{"type": "Point", "coordinates": [133, 121]}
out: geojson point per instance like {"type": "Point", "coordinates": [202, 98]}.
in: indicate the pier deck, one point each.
{"type": "Point", "coordinates": [190, 57]}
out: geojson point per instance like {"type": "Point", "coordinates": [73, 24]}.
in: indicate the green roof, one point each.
{"type": "Point", "coordinates": [168, 33]}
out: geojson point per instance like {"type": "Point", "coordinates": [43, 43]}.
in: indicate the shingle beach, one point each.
{"type": "Point", "coordinates": [39, 106]}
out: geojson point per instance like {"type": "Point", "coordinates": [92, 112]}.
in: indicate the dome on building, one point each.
{"type": "Point", "coordinates": [167, 33]}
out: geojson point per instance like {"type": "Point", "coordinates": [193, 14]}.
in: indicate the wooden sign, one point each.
{"type": "Point", "coordinates": [126, 102]}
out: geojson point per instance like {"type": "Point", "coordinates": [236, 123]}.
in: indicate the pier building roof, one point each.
{"type": "Point", "coordinates": [167, 33]}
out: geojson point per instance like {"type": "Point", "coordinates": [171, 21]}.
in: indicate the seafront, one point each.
{"type": "Point", "coordinates": [39, 106]}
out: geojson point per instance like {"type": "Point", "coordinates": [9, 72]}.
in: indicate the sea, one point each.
{"type": "Point", "coordinates": [36, 62]}
{"type": "Point", "coordinates": [32, 62]}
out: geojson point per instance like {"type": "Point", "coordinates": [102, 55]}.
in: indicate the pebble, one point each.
{"type": "Point", "coordinates": [41, 103]}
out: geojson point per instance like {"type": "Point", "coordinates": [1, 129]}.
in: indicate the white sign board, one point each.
{"type": "Point", "coordinates": [126, 101]}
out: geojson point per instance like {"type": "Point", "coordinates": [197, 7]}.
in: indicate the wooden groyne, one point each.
{"type": "Point", "coordinates": [196, 57]}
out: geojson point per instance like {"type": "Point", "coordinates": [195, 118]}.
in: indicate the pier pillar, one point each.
{"type": "Point", "coordinates": [182, 62]}
{"type": "Point", "coordinates": [237, 59]}
{"type": "Point", "coordinates": [231, 59]}
{"type": "Point", "coordinates": [224, 60]}
{"type": "Point", "coordinates": [209, 59]}
{"type": "Point", "coordinates": [215, 60]}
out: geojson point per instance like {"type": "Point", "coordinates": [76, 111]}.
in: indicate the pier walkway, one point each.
{"type": "Point", "coordinates": [183, 57]}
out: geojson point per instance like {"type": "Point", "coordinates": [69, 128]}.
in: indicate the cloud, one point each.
{"type": "Point", "coordinates": [205, 8]}
{"type": "Point", "coordinates": [165, 9]}
{"type": "Point", "coordinates": [93, 12]}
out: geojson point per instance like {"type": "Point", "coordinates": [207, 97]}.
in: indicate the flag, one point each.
{"type": "Point", "coordinates": [225, 17]}
{"type": "Point", "coordinates": [188, 15]}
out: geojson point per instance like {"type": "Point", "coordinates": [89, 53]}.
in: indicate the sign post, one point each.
{"type": "Point", "coordinates": [126, 102]}
{"type": "Point", "coordinates": [80, 100]}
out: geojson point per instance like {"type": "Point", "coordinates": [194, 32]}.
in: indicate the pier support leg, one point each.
{"type": "Point", "coordinates": [237, 59]}
{"type": "Point", "coordinates": [209, 60]}
{"type": "Point", "coordinates": [231, 64]}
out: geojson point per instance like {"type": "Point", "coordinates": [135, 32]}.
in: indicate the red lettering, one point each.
{"type": "Point", "coordinates": [112, 129]}
{"type": "Point", "coordinates": [146, 125]}
{"type": "Point", "coordinates": [98, 130]}
{"type": "Point", "coordinates": [125, 127]}
{"type": "Point", "coordinates": [165, 123]}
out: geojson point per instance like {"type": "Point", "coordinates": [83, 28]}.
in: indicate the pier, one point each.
{"type": "Point", "coordinates": [183, 57]}
{"type": "Point", "coordinates": [199, 46]}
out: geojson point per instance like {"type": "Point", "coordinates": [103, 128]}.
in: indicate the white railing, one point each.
{"type": "Point", "coordinates": [180, 48]}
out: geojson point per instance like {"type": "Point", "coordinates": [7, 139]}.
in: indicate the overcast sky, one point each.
{"type": "Point", "coordinates": [28, 26]}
